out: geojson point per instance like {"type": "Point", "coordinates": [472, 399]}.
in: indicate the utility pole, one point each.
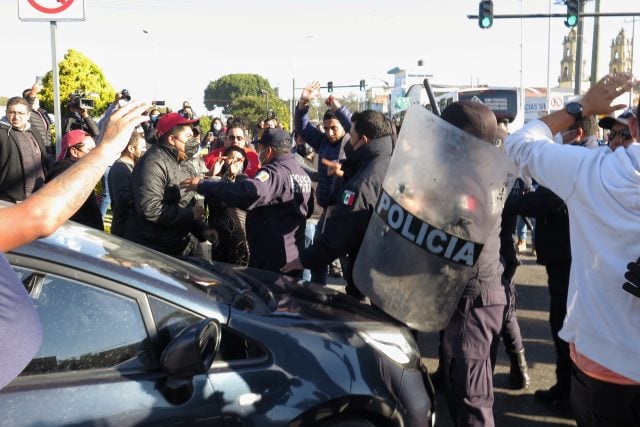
{"type": "Point", "coordinates": [594, 46]}
{"type": "Point", "coordinates": [578, 74]}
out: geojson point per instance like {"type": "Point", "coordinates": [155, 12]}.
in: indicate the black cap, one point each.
{"type": "Point", "coordinates": [276, 137]}
{"type": "Point", "coordinates": [472, 117]}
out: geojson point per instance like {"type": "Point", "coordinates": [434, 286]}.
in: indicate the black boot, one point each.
{"type": "Point", "coordinates": [519, 372]}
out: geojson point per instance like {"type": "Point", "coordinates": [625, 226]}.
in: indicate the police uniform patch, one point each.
{"type": "Point", "coordinates": [262, 176]}
{"type": "Point", "coordinates": [348, 198]}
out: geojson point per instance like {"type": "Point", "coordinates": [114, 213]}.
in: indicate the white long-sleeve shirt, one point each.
{"type": "Point", "coordinates": [602, 191]}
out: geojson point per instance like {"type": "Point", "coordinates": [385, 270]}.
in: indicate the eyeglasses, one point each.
{"type": "Point", "coordinates": [624, 134]}
{"type": "Point", "coordinates": [235, 137]}
{"type": "Point", "coordinates": [17, 113]}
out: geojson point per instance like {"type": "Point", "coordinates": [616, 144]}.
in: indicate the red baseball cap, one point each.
{"type": "Point", "coordinates": [70, 139]}
{"type": "Point", "coordinates": [168, 121]}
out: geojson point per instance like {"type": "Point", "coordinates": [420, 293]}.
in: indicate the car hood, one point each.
{"type": "Point", "coordinates": [281, 295]}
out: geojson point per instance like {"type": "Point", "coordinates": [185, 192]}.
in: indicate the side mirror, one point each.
{"type": "Point", "coordinates": [190, 353]}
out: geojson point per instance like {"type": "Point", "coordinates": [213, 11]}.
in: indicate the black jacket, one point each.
{"type": "Point", "coordinates": [89, 213]}
{"type": "Point", "coordinates": [162, 217]}
{"type": "Point", "coordinates": [121, 196]}
{"type": "Point", "coordinates": [74, 121]}
{"type": "Point", "coordinates": [345, 228]}
{"type": "Point", "coordinates": [276, 201]}
{"type": "Point", "coordinates": [11, 172]}
{"type": "Point", "coordinates": [552, 223]}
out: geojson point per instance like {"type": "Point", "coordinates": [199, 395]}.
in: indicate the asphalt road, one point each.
{"type": "Point", "coordinates": [518, 407]}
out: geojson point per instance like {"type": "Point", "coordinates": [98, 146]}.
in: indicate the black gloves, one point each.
{"type": "Point", "coordinates": [633, 277]}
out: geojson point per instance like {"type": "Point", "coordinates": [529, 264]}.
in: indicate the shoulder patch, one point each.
{"type": "Point", "coordinates": [348, 198]}
{"type": "Point", "coordinates": [262, 176]}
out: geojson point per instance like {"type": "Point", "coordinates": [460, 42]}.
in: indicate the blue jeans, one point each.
{"type": "Point", "coordinates": [309, 234]}
{"type": "Point", "coordinates": [105, 200]}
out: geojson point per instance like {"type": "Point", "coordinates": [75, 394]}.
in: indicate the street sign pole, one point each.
{"type": "Point", "coordinates": [62, 10]}
{"type": "Point", "coordinates": [56, 85]}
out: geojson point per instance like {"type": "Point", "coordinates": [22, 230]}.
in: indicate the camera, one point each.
{"type": "Point", "coordinates": [77, 100]}
{"type": "Point", "coordinates": [125, 95]}
{"type": "Point", "coordinates": [158, 103]}
{"type": "Point", "coordinates": [87, 104]}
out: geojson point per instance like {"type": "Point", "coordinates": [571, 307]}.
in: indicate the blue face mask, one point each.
{"type": "Point", "coordinates": [154, 117]}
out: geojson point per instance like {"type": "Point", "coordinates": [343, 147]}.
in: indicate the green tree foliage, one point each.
{"type": "Point", "coordinates": [252, 108]}
{"type": "Point", "coordinates": [205, 123]}
{"type": "Point", "coordinates": [77, 72]}
{"type": "Point", "coordinates": [226, 89]}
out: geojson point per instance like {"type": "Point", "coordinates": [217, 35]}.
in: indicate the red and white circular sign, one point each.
{"type": "Point", "coordinates": [51, 10]}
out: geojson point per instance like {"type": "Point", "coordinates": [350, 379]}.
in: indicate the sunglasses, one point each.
{"type": "Point", "coordinates": [624, 134]}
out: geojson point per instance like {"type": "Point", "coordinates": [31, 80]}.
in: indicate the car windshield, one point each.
{"type": "Point", "coordinates": [151, 264]}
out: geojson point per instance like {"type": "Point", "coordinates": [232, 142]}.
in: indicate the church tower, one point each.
{"type": "Point", "coordinates": [620, 54]}
{"type": "Point", "coordinates": [568, 63]}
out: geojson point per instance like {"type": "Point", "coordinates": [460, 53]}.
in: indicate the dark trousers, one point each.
{"type": "Point", "coordinates": [468, 343]}
{"type": "Point", "coordinates": [558, 280]}
{"type": "Point", "coordinates": [600, 404]}
{"type": "Point", "coordinates": [511, 336]}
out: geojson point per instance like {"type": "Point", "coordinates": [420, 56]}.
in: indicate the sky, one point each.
{"type": "Point", "coordinates": [192, 42]}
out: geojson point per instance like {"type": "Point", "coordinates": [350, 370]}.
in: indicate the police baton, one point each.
{"type": "Point", "coordinates": [432, 99]}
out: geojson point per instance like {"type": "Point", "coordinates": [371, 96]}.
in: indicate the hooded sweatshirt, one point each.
{"type": "Point", "coordinates": [602, 191]}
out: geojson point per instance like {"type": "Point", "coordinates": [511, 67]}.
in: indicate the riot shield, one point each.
{"type": "Point", "coordinates": [443, 193]}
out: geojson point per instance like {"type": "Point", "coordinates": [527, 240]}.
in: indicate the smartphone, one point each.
{"type": "Point", "coordinates": [159, 102]}
{"type": "Point", "coordinates": [39, 80]}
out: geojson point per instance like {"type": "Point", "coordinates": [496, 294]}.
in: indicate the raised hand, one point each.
{"type": "Point", "coordinates": [311, 92]}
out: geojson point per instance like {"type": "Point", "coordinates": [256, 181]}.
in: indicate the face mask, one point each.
{"type": "Point", "coordinates": [191, 147]}
{"type": "Point", "coordinates": [217, 126]}
{"type": "Point", "coordinates": [558, 139]}
{"type": "Point", "coordinates": [154, 118]}
{"type": "Point", "coordinates": [301, 149]}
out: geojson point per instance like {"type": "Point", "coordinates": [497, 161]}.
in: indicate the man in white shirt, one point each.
{"type": "Point", "coordinates": [602, 191]}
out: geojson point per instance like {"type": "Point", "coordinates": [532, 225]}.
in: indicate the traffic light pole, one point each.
{"type": "Point", "coordinates": [559, 15]}
{"type": "Point", "coordinates": [577, 87]}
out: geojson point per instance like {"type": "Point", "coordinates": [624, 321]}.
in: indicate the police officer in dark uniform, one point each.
{"type": "Point", "coordinates": [368, 155]}
{"type": "Point", "coordinates": [276, 201]}
{"type": "Point", "coordinates": [470, 339]}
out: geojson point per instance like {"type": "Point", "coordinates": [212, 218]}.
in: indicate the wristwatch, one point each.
{"type": "Point", "coordinates": [574, 109]}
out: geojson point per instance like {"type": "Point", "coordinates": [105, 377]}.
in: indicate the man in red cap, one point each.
{"type": "Point", "coordinates": [75, 145]}
{"type": "Point", "coordinates": [165, 217]}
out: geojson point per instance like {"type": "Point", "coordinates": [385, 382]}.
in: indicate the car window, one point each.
{"type": "Point", "coordinates": [170, 319]}
{"type": "Point", "coordinates": [84, 327]}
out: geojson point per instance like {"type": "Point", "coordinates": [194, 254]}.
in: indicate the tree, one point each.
{"type": "Point", "coordinates": [78, 73]}
{"type": "Point", "coordinates": [252, 108]}
{"type": "Point", "coordinates": [226, 89]}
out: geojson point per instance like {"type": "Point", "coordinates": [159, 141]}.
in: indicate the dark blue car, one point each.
{"type": "Point", "coordinates": [134, 337]}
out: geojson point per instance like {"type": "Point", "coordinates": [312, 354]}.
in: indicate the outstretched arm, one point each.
{"type": "Point", "coordinates": [46, 209]}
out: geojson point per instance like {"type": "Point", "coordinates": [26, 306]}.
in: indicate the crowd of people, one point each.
{"type": "Point", "coordinates": [296, 203]}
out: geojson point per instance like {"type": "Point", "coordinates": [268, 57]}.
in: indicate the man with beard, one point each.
{"type": "Point", "coordinates": [329, 146]}
{"type": "Point", "coordinates": [368, 155]}
{"type": "Point", "coordinates": [166, 218]}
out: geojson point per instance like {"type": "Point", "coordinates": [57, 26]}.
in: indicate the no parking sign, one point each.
{"type": "Point", "coordinates": [51, 10]}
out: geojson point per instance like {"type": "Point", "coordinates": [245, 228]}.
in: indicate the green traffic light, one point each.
{"type": "Point", "coordinates": [486, 22]}
{"type": "Point", "coordinates": [572, 21]}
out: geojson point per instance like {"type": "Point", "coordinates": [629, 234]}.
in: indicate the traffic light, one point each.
{"type": "Point", "coordinates": [485, 14]}
{"type": "Point", "coordinates": [329, 87]}
{"type": "Point", "coordinates": [362, 85]}
{"type": "Point", "coordinates": [573, 13]}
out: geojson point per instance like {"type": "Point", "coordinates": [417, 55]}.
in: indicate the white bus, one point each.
{"type": "Point", "coordinates": [503, 101]}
